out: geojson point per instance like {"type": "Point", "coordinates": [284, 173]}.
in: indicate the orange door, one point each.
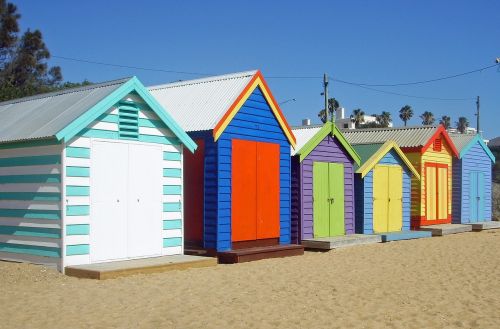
{"type": "Point", "coordinates": [268, 190]}
{"type": "Point", "coordinates": [244, 190]}
{"type": "Point", "coordinates": [255, 190]}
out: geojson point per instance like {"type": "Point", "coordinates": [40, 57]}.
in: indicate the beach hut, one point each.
{"type": "Point", "coordinates": [430, 150]}
{"type": "Point", "coordinates": [383, 190]}
{"type": "Point", "coordinates": [238, 182]}
{"type": "Point", "coordinates": [90, 175]}
{"type": "Point", "coordinates": [322, 183]}
{"type": "Point", "coordinates": [471, 179]}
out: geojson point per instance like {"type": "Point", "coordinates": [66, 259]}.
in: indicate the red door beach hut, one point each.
{"type": "Point", "coordinates": [430, 150]}
{"type": "Point", "coordinates": [238, 198]}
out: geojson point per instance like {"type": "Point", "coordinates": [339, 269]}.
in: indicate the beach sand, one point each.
{"type": "Point", "coordinates": [442, 282]}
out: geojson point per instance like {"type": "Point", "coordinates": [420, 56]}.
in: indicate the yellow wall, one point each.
{"type": "Point", "coordinates": [444, 157]}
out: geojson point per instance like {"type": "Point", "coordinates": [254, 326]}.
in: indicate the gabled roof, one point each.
{"type": "Point", "coordinates": [371, 154]}
{"type": "Point", "coordinates": [464, 142]}
{"type": "Point", "coordinates": [420, 137]}
{"type": "Point", "coordinates": [63, 114]}
{"type": "Point", "coordinates": [308, 137]}
{"type": "Point", "coordinates": [211, 103]}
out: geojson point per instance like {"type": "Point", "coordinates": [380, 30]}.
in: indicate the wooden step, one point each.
{"type": "Point", "coordinates": [445, 229]}
{"type": "Point", "coordinates": [258, 253]}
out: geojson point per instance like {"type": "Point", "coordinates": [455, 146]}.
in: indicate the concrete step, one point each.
{"type": "Point", "coordinates": [111, 270]}
{"type": "Point", "coordinates": [445, 229]}
{"type": "Point", "coordinates": [328, 243]}
{"type": "Point", "coordinates": [258, 253]}
{"type": "Point", "coordinates": [480, 226]}
{"type": "Point", "coordinates": [404, 235]}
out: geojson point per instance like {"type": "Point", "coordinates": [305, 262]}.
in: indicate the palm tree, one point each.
{"type": "Point", "coordinates": [358, 117]}
{"type": "Point", "coordinates": [406, 113]}
{"type": "Point", "coordinates": [445, 121]}
{"type": "Point", "coordinates": [333, 105]}
{"type": "Point", "coordinates": [427, 118]}
{"type": "Point", "coordinates": [384, 119]}
{"type": "Point", "coordinates": [462, 125]}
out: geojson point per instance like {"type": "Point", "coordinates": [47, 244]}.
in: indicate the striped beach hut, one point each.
{"type": "Point", "coordinates": [383, 189]}
{"type": "Point", "coordinates": [238, 182]}
{"type": "Point", "coordinates": [89, 175]}
{"type": "Point", "coordinates": [430, 150]}
{"type": "Point", "coordinates": [472, 186]}
{"type": "Point", "coordinates": [322, 183]}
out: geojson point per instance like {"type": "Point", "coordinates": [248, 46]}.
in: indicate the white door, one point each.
{"type": "Point", "coordinates": [108, 190]}
{"type": "Point", "coordinates": [145, 201]}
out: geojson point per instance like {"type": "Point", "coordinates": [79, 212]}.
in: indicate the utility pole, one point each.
{"type": "Point", "coordinates": [477, 114]}
{"type": "Point", "coordinates": [325, 93]}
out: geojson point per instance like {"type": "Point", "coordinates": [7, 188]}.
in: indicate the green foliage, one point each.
{"type": "Point", "coordinates": [24, 70]}
{"type": "Point", "coordinates": [462, 125]}
{"type": "Point", "coordinates": [333, 105]}
{"type": "Point", "coordinates": [405, 113]}
{"type": "Point", "coordinates": [358, 117]}
{"type": "Point", "coordinates": [427, 118]}
{"type": "Point", "coordinates": [445, 121]}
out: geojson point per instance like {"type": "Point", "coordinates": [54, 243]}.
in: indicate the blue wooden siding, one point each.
{"type": "Point", "coordinates": [30, 197]}
{"type": "Point", "coordinates": [256, 122]}
{"type": "Point", "coordinates": [210, 195]}
{"type": "Point", "coordinates": [476, 160]}
{"type": "Point", "coordinates": [365, 225]}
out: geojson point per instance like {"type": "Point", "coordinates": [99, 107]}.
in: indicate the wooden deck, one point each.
{"type": "Point", "coordinates": [445, 229]}
{"type": "Point", "coordinates": [258, 253]}
{"type": "Point", "coordinates": [404, 235]}
{"type": "Point", "coordinates": [111, 270]}
{"type": "Point", "coordinates": [480, 226]}
{"type": "Point", "coordinates": [334, 242]}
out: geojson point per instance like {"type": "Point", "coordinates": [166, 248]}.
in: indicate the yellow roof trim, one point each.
{"type": "Point", "coordinates": [382, 151]}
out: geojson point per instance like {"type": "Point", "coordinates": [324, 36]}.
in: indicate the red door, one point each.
{"type": "Point", "coordinates": [193, 194]}
{"type": "Point", "coordinates": [255, 190]}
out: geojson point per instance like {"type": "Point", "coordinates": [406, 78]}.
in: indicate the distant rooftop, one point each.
{"type": "Point", "coordinates": [415, 136]}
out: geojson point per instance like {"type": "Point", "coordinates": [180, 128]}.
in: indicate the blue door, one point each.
{"type": "Point", "coordinates": [476, 196]}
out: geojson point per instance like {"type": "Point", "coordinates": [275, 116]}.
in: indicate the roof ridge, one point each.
{"type": "Point", "coordinates": [64, 91]}
{"type": "Point", "coordinates": [344, 130]}
{"type": "Point", "coordinates": [307, 127]}
{"type": "Point", "coordinates": [214, 78]}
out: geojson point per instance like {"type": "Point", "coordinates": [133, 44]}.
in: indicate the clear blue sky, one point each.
{"type": "Point", "coordinates": [360, 41]}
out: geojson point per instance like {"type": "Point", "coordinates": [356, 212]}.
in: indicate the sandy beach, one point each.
{"type": "Point", "coordinates": [445, 282]}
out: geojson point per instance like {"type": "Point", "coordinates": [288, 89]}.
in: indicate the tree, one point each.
{"type": "Point", "coordinates": [23, 60]}
{"type": "Point", "coordinates": [405, 113]}
{"type": "Point", "coordinates": [427, 118]}
{"type": "Point", "coordinates": [384, 119]}
{"type": "Point", "coordinates": [462, 124]}
{"type": "Point", "coordinates": [358, 117]}
{"type": "Point", "coordinates": [445, 121]}
{"type": "Point", "coordinates": [333, 105]}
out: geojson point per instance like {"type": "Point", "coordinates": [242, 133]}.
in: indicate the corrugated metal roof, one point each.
{"type": "Point", "coordinates": [44, 115]}
{"type": "Point", "coordinates": [365, 151]}
{"type": "Point", "coordinates": [303, 134]}
{"type": "Point", "coordinates": [403, 136]}
{"type": "Point", "coordinates": [200, 104]}
{"type": "Point", "coordinates": [461, 140]}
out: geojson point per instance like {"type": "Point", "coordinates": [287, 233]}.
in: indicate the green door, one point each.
{"type": "Point", "coordinates": [328, 199]}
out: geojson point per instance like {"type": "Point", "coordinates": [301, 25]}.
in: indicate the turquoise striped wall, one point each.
{"type": "Point", "coordinates": [30, 201]}
{"type": "Point", "coordinates": [78, 170]}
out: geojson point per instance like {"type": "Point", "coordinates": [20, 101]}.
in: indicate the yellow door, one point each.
{"type": "Point", "coordinates": [395, 216]}
{"type": "Point", "coordinates": [443, 193]}
{"type": "Point", "coordinates": [380, 198]}
{"type": "Point", "coordinates": [430, 193]}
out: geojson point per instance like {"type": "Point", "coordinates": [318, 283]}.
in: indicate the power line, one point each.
{"type": "Point", "coordinates": [422, 81]}
{"type": "Point", "coordinates": [405, 95]}
{"type": "Point", "coordinates": [130, 67]}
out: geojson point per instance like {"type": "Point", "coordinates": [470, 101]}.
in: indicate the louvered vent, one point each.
{"type": "Point", "coordinates": [128, 122]}
{"type": "Point", "coordinates": [437, 145]}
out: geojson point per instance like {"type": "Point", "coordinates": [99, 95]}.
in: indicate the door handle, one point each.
{"type": "Point", "coordinates": [117, 200]}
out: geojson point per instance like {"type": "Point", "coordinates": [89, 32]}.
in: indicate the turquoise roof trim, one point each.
{"type": "Point", "coordinates": [483, 145]}
{"type": "Point", "coordinates": [131, 85]}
